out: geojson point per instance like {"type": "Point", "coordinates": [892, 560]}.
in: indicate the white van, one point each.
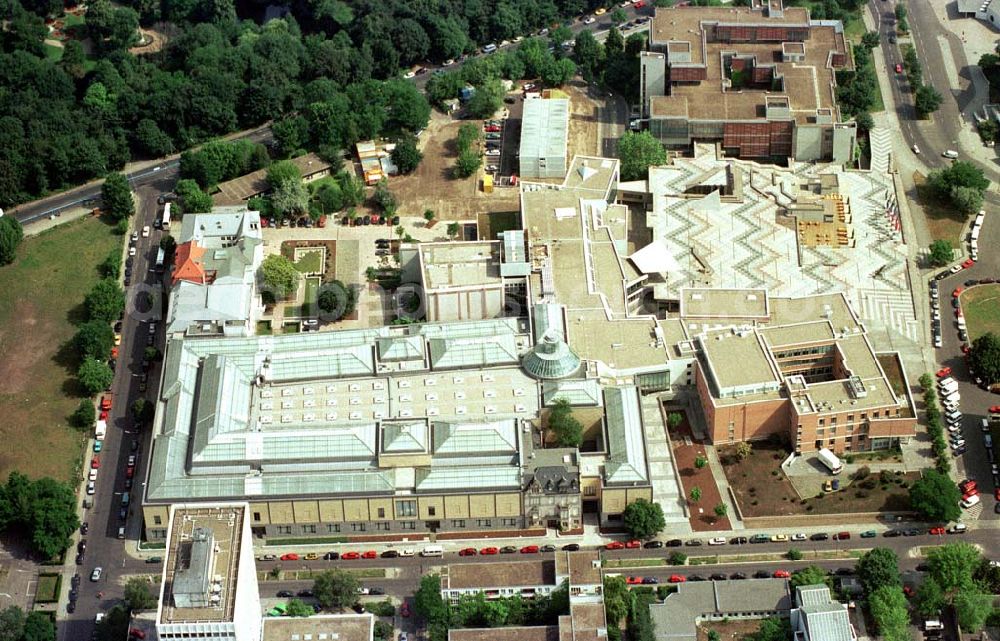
{"type": "Point", "coordinates": [985, 425]}
{"type": "Point", "coordinates": [950, 153]}
{"type": "Point", "coordinates": [432, 550]}
{"type": "Point", "coordinates": [490, 48]}
{"type": "Point", "coordinates": [947, 381]}
{"type": "Point", "coordinates": [952, 397]}
{"type": "Point", "coordinates": [933, 624]}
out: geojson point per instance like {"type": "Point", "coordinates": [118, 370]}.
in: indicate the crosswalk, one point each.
{"type": "Point", "coordinates": [881, 148]}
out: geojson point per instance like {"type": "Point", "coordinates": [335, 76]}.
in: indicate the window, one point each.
{"type": "Point", "coordinates": [158, 521]}
{"type": "Point", "coordinates": [406, 508]}
{"type": "Point", "coordinates": [158, 533]}
{"type": "Point", "coordinates": [381, 513]}
{"type": "Point", "coordinates": [309, 529]}
{"type": "Point", "coordinates": [408, 525]}
{"type": "Point", "coordinates": [822, 421]}
{"type": "Point", "coordinates": [484, 522]}
{"type": "Point", "coordinates": [358, 527]}
{"type": "Point", "coordinates": [333, 527]}
{"type": "Point", "coordinates": [382, 526]}
{"type": "Point", "coordinates": [458, 523]}
{"type": "Point", "coordinates": [850, 418]}
{"type": "Point", "coordinates": [431, 511]}
{"type": "Point", "coordinates": [256, 516]}
{"type": "Point", "coordinates": [874, 414]}
{"type": "Point", "coordinates": [509, 522]}
{"type": "Point", "coordinates": [284, 529]}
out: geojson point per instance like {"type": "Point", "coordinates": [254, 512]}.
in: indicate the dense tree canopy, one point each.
{"type": "Point", "coordinates": [105, 301]}
{"type": "Point", "coordinates": [567, 429]}
{"type": "Point", "coordinates": [878, 567]}
{"type": "Point", "coordinates": [336, 589]}
{"type": "Point", "coordinates": [94, 339]}
{"type": "Point", "coordinates": [638, 152]}
{"type": "Point", "coordinates": [280, 276]}
{"type": "Point", "coordinates": [43, 509]}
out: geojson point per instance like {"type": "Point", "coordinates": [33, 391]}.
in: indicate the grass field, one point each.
{"type": "Point", "coordinates": [47, 590]}
{"type": "Point", "coordinates": [310, 261]}
{"type": "Point", "coordinates": [42, 298]}
{"type": "Point", "coordinates": [981, 306]}
{"type": "Point", "coordinates": [53, 52]}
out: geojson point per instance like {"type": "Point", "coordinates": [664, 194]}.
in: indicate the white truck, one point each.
{"type": "Point", "coordinates": [830, 460]}
{"type": "Point", "coordinates": [101, 430]}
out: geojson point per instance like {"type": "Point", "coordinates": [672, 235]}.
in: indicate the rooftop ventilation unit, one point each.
{"type": "Point", "coordinates": [857, 387]}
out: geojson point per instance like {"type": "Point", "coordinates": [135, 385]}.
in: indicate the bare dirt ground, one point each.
{"type": "Point", "coordinates": [432, 187]}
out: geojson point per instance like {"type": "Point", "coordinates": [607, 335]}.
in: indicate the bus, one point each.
{"type": "Point", "coordinates": [165, 221]}
{"type": "Point", "coordinates": [160, 257]}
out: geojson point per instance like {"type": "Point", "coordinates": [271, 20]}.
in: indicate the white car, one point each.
{"type": "Point", "coordinates": [447, 63]}
{"type": "Point", "coordinates": [131, 251]}
{"type": "Point", "coordinates": [799, 537]}
{"type": "Point", "coordinates": [96, 574]}
{"type": "Point", "coordinates": [957, 443]}
{"type": "Point", "coordinates": [969, 502]}
{"type": "Point", "coordinates": [955, 427]}
{"type": "Point", "coordinates": [409, 74]}
{"type": "Point", "coordinates": [719, 540]}
{"type": "Point", "coordinates": [406, 552]}
{"type": "Point", "coordinates": [950, 153]}
{"type": "Point", "coordinates": [492, 152]}
{"type": "Point", "coordinates": [92, 475]}
{"type": "Point", "coordinates": [589, 20]}
{"type": "Point", "coordinates": [145, 231]}
{"type": "Point", "coordinates": [937, 340]}
{"type": "Point", "coordinates": [779, 538]}
{"type": "Point", "coordinates": [135, 236]}
{"type": "Point", "coordinates": [916, 150]}
{"type": "Point", "coordinates": [90, 488]}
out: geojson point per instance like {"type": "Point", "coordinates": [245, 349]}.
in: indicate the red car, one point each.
{"type": "Point", "coordinates": [994, 409]}
{"type": "Point", "coordinates": [114, 352]}
{"type": "Point", "coordinates": [967, 485]}
{"type": "Point", "coordinates": [370, 554]}
{"type": "Point", "coordinates": [996, 494]}
{"type": "Point", "coordinates": [782, 574]}
{"type": "Point", "coordinates": [944, 371]}
{"type": "Point", "coordinates": [106, 402]}
{"type": "Point", "coordinates": [95, 463]}
{"type": "Point", "coordinates": [965, 348]}
{"type": "Point", "coordinates": [129, 472]}
{"type": "Point", "coordinates": [615, 545]}
{"type": "Point", "coordinates": [104, 415]}
{"type": "Point", "coordinates": [491, 128]}
{"type": "Point", "coordinates": [958, 313]}
{"type": "Point", "coordinates": [404, 610]}
{"type": "Point", "coordinates": [677, 578]}
{"type": "Point", "coordinates": [633, 580]}
{"type": "Point", "coordinates": [968, 263]}
{"type": "Point", "coordinates": [639, 4]}
{"type": "Point", "coordinates": [529, 549]}
{"type": "Point", "coordinates": [291, 556]}
{"type": "Point", "coordinates": [899, 68]}
{"type": "Point", "coordinates": [467, 552]}
{"type": "Point", "coordinates": [936, 531]}
{"type": "Point", "coordinates": [634, 543]}
{"type": "Point", "coordinates": [349, 556]}
{"type": "Point", "coordinates": [908, 591]}
{"type": "Point", "coordinates": [970, 493]}
{"type": "Point", "coordinates": [489, 551]}
{"type": "Point", "coordinates": [957, 292]}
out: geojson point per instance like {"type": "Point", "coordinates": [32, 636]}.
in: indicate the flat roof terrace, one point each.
{"type": "Point", "coordinates": [447, 265]}
{"type": "Point", "coordinates": [225, 524]}
{"type": "Point", "coordinates": [737, 359]}
{"type": "Point", "coordinates": [513, 574]}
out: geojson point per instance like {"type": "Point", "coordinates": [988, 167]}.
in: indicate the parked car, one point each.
{"type": "Point", "coordinates": [291, 556]}
{"type": "Point", "coordinates": [489, 551]}
{"type": "Point", "coordinates": [615, 545]}
{"type": "Point", "coordinates": [350, 556]}
{"type": "Point", "coordinates": [467, 552]}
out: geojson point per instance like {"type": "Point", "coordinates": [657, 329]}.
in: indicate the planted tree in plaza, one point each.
{"type": "Point", "coordinates": [279, 276]}
{"type": "Point", "coordinates": [138, 595]}
{"type": "Point", "coordinates": [567, 429]}
{"type": "Point", "coordinates": [695, 494]}
{"type": "Point", "coordinates": [940, 253]}
{"type": "Point", "coordinates": [643, 518]}
{"type": "Point", "coordinates": [720, 510]}
{"type": "Point", "coordinates": [638, 152]}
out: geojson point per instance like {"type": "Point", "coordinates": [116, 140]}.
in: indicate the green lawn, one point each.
{"type": "Point", "coordinates": [943, 221]}
{"type": "Point", "coordinates": [309, 262]}
{"type": "Point", "coordinates": [71, 20]}
{"type": "Point", "coordinates": [981, 306]}
{"type": "Point", "coordinates": [53, 52]}
{"type": "Point", "coordinates": [48, 588]}
{"type": "Point", "coordinates": [42, 298]}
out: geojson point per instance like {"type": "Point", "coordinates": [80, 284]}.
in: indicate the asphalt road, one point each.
{"type": "Point", "coordinates": [164, 173]}
{"type": "Point", "coordinates": [104, 548]}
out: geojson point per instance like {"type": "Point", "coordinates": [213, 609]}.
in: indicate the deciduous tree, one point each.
{"type": "Point", "coordinates": [811, 575]}
{"type": "Point", "coordinates": [94, 339]}
{"type": "Point", "coordinates": [406, 156]}
{"type": "Point", "coordinates": [105, 301]}
{"type": "Point", "coordinates": [984, 356]}
{"type": "Point", "coordinates": [935, 496]}
{"type": "Point", "coordinates": [11, 234]}
{"type": "Point", "coordinates": [94, 375]}
{"type": "Point", "coordinates": [117, 197]}
{"type": "Point", "coordinates": [940, 253]}
{"type": "Point", "coordinates": [336, 589]}
{"type": "Point", "coordinates": [567, 429]}
{"type": "Point", "coordinates": [191, 198]}
{"type": "Point", "coordinates": [877, 568]}
{"type": "Point", "coordinates": [279, 276]}
{"type": "Point", "coordinates": [644, 519]}
{"type": "Point", "coordinates": [639, 151]}
{"type": "Point", "coordinates": [138, 595]}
